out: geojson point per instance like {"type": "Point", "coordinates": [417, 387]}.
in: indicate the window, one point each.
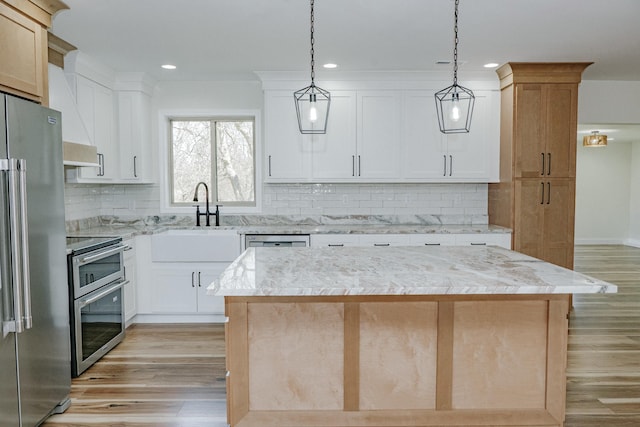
{"type": "Point", "coordinates": [218, 152]}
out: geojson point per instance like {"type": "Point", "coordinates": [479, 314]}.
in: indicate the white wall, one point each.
{"type": "Point", "coordinates": [609, 102]}
{"type": "Point", "coordinates": [603, 177]}
{"type": "Point", "coordinates": [634, 198]}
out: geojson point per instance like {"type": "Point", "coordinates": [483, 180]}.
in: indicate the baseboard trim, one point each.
{"type": "Point", "coordinates": [178, 318]}
{"type": "Point", "coordinates": [632, 242]}
{"type": "Point", "coordinates": [600, 242]}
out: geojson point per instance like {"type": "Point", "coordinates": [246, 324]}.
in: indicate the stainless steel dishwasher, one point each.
{"type": "Point", "coordinates": [276, 240]}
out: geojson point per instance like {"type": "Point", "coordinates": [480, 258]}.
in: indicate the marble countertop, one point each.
{"type": "Point", "coordinates": [127, 231]}
{"type": "Point", "coordinates": [442, 270]}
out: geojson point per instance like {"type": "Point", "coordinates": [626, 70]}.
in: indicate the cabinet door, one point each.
{"type": "Point", "coordinates": [334, 152]}
{"type": "Point", "coordinates": [468, 153]}
{"type": "Point", "coordinates": [561, 101]}
{"type": "Point", "coordinates": [23, 62]}
{"type": "Point", "coordinates": [378, 136]}
{"type": "Point", "coordinates": [206, 276]}
{"type": "Point", "coordinates": [559, 209]}
{"type": "Point", "coordinates": [423, 153]}
{"type": "Point", "coordinates": [530, 130]}
{"type": "Point", "coordinates": [529, 217]}
{"type": "Point", "coordinates": [95, 103]}
{"type": "Point", "coordinates": [334, 240]}
{"type": "Point", "coordinates": [174, 290]}
{"type": "Point", "coordinates": [134, 122]}
{"type": "Point", "coordinates": [288, 153]}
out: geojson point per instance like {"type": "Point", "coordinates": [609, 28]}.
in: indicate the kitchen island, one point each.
{"type": "Point", "coordinates": [397, 336]}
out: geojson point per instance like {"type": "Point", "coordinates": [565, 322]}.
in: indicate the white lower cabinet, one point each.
{"type": "Point", "coordinates": [175, 270]}
{"type": "Point", "coordinates": [435, 239]}
{"type": "Point", "coordinates": [181, 288]}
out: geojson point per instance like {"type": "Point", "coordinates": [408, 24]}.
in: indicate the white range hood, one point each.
{"type": "Point", "coordinates": [77, 148]}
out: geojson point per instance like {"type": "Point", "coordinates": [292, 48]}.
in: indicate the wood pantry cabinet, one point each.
{"type": "Point", "coordinates": [23, 55]}
{"type": "Point", "coordinates": [538, 134]}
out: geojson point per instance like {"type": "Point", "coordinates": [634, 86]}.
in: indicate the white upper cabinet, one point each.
{"type": "Point", "coordinates": [96, 107]}
{"type": "Point", "coordinates": [469, 154]}
{"type": "Point", "coordinates": [334, 153]}
{"type": "Point", "coordinates": [384, 135]}
{"type": "Point", "coordinates": [430, 155]}
{"type": "Point", "coordinates": [134, 122]}
{"type": "Point", "coordinates": [115, 109]}
{"type": "Point", "coordinates": [423, 148]}
{"type": "Point", "coordinates": [287, 151]}
{"type": "Point", "coordinates": [378, 138]}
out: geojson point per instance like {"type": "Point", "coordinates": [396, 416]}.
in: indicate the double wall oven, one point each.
{"type": "Point", "coordinates": [96, 279]}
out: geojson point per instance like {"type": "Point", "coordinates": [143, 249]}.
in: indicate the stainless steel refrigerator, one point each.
{"type": "Point", "coordinates": [35, 353]}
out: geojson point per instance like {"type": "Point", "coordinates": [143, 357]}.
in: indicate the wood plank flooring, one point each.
{"type": "Point", "coordinates": [160, 375]}
{"type": "Point", "coordinates": [603, 369]}
{"type": "Point", "coordinates": [174, 375]}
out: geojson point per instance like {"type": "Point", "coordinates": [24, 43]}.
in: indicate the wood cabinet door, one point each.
{"type": "Point", "coordinates": [23, 63]}
{"type": "Point", "coordinates": [559, 210]}
{"type": "Point", "coordinates": [529, 131]}
{"type": "Point", "coordinates": [529, 217]}
{"type": "Point", "coordinates": [561, 104]}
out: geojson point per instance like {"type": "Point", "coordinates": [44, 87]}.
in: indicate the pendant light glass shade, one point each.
{"type": "Point", "coordinates": [312, 107]}
{"type": "Point", "coordinates": [312, 102]}
{"type": "Point", "coordinates": [454, 104]}
{"type": "Point", "coordinates": [594, 140]}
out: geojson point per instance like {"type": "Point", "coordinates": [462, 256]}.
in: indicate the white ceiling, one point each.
{"type": "Point", "coordinates": [213, 39]}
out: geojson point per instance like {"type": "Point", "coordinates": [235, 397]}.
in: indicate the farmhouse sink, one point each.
{"type": "Point", "coordinates": [195, 246]}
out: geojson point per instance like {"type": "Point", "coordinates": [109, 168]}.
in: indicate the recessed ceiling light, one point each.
{"type": "Point", "coordinates": [169, 67]}
{"type": "Point", "coordinates": [330, 65]}
{"type": "Point", "coordinates": [491, 65]}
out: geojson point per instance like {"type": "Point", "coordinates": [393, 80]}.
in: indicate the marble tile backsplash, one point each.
{"type": "Point", "coordinates": [454, 203]}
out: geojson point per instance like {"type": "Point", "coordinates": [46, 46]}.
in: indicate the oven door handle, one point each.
{"type": "Point", "coordinates": [85, 302]}
{"type": "Point", "coordinates": [102, 254]}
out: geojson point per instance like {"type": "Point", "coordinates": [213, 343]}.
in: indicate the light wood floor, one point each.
{"type": "Point", "coordinates": [173, 375]}
{"type": "Point", "coordinates": [603, 386]}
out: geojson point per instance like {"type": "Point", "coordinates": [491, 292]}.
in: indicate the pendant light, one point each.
{"type": "Point", "coordinates": [594, 140]}
{"type": "Point", "coordinates": [455, 103]}
{"type": "Point", "coordinates": [312, 102]}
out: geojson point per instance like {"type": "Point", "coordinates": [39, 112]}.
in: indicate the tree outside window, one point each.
{"type": "Point", "coordinates": [219, 152]}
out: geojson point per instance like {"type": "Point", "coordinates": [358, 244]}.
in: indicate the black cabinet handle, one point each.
{"type": "Point", "coordinates": [450, 164]}
{"type": "Point", "coordinates": [135, 169]}
{"type": "Point", "coordinates": [199, 281]}
{"type": "Point", "coordinates": [542, 172]}
{"type": "Point", "coordinates": [444, 167]}
{"type": "Point", "coordinates": [193, 279]}
{"type": "Point", "coordinates": [269, 165]}
{"type": "Point", "coordinates": [548, 193]}
{"type": "Point", "coordinates": [335, 245]}
{"type": "Point", "coordinates": [359, 166]}
{"type": "Point", "coordinates": [432, 244]}
{"type": "Point", "coordinates": [549, 165]}
{"type": "Point", "coordinates": [353, 165]}
{"type": "Point", "coordinates": [542, 198]}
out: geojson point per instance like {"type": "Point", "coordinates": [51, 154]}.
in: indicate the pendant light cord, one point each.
{"type": "Point", "coordinates": [313, 73]}
{"type": "Point", "coordinates": [455, 45]}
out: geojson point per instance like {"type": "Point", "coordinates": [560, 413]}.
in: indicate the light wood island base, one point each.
{"type": "Point", "coordinates": [437, 360]}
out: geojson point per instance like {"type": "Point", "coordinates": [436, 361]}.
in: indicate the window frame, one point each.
{"type": "Point", "coordinates": [166, 158]}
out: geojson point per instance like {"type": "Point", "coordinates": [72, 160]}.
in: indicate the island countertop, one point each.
{"type": "Point", "coordinates": [441, 270]}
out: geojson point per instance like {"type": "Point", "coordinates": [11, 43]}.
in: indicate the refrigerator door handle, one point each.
{"type": "Point", "coordinates": [15, 228]}
{"type": "Point", "coordinates": [24, 229]}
